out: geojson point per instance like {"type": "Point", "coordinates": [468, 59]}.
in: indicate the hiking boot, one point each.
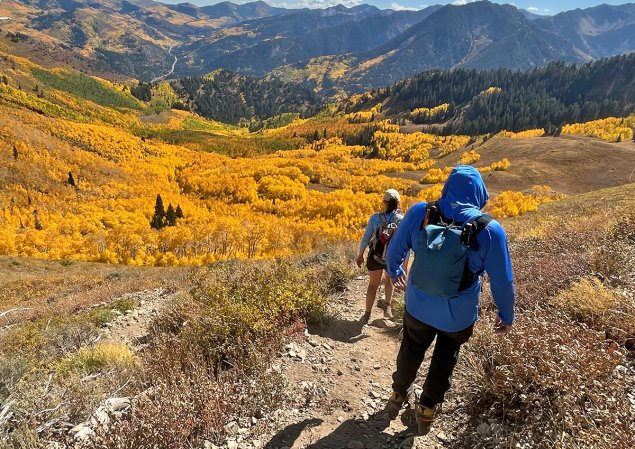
{"type": "Point", "coordinates": [381, 304]}
{"type": "Point", "coordinates": [424, 417]}
{"type": "Point", "coordinates": [388, 313]}
{"type": "Point", "coordinates": [394, 405]}
{"type": "Point", "coordinates": [398, 399]}
{"type": "Point", "coordinates": [365, 318]}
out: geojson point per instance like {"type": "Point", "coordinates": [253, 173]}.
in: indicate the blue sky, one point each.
{"type": "Point", "coordinates": [535, 6]}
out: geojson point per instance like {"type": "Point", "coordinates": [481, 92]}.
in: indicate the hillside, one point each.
{"type": "Point", "coordinates": [564, 373]}
{"type": "Point", "coordinates": [137, 46]}
{"type": "Point", "coordinates": [488, 101]}
{"type": "Point", "coordinates": [171, 281]}
{"type": "Point", "coordinates": [478, 35]}
{"type": "Point", "coordinates": [258, 47]}
{"type": "Point", "coordinates": [451, 101]}
{"type": "Point", "coordinates": [85, 164]}
{"type": "Point", "coordinates": [569, 163]}
{"type": "Point", "coordinates": [231, 98]}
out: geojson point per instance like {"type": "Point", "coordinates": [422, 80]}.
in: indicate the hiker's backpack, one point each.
{"type": "Point", "coordinates": [441, 266]}
{"type": "Point", "coordinates": [380, 240]}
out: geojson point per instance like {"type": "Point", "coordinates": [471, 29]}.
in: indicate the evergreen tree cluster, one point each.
{"type": "Point", "coordinates": [230, 97]}
{"type": "Point", "coordinates": [545, 97]}
{"type": "Point", "coordinates": [162, 217]}
{"type": "Point", "coordinates": [142, 91]}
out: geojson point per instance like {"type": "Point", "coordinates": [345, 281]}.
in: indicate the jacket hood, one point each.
{"type": "Point", "coordinates": [463, 195]}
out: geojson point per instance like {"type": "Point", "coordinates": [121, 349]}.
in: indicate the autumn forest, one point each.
{"type": "Point", "coordinates": [92, 173]}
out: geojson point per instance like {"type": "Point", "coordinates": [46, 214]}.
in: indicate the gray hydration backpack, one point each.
{"type": "Point", "coordinates": [381, 238]}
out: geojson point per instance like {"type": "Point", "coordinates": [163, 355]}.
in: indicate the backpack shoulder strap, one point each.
{"type": "Point", "coordinates": [482, 222]}
{"type": "Point", "coordinates": [432, 214]}
{"type": "Point", "coordinates": [472, 229]}
{"type": "Point", "coordinates": [383, 218]}
{"type": "Point", "coordinates": [468, 238]}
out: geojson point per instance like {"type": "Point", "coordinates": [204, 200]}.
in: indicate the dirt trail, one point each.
{"type": "Point", "coordinates": [345, 371]}
{"type": "Point", "coordinates": [133, 326]}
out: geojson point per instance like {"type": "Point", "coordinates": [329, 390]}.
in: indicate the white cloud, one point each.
{"type": "Point", "coordinates": [314, 4]}
{"type": "Point", "coordinates": [538, 10]}
{"type": "Point", "coordinates": [399, 7]}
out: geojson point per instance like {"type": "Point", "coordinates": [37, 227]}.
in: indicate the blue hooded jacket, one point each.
{"type": "Point", "coordinates": [463, 196]}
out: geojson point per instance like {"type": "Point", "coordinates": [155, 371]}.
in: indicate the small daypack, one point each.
{"type": "Point", "coordinates": [380, 240]}
{"type": "Point", "coordinates": [441, 267]}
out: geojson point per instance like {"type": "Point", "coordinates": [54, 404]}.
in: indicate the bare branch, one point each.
{"type": "Point", "coordinates": [50, 410]}
{"type": "Point", "coordinates": [4, 314]}
{"type": "Point", "coordinates": [4, 414]}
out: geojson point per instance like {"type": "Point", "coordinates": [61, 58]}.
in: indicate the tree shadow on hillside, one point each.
{"type": "Point", "coordinates": [370, 433]}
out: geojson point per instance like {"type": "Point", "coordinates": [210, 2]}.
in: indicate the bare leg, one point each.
{"type": "Point", "coordinates": [373, 285]}
{"type": "Point", "coordinates": [389, 290]}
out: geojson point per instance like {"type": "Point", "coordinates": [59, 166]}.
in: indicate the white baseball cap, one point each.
{"type": "Point", "coordinates": [391, 194]}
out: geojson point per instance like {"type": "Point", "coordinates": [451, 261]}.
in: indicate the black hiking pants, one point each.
{"type": "Point", "coordinates": [417, 338]}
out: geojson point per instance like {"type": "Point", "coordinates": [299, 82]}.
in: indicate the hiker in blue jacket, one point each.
{"type": "Point", "coordinates": [442, 289]}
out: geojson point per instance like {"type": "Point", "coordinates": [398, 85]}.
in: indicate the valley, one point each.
{"type": "Point", "coordinates": [331, 50]}
{"type": "Point", "coordinates": [183, 190]}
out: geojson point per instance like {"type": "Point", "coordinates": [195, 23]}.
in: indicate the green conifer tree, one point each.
{"type": "Point", "coordinates": [170, 216]}
{"type": "Point", "coordinates": [158, 219]}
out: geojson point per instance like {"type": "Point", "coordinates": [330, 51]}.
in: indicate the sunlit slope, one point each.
{"type": "Point", "coordinates": [568, 164]}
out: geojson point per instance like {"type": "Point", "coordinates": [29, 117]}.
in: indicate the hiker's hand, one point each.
{"type": "Point", "coordinates": [360, 260]}
{"type": "Point", "coordinates": [400, 282]}
{"type": "Point", "coordinates": [500, 327]}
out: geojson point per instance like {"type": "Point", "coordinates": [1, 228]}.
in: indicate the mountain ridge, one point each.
{"type": "Point", "coordinates": [352, 48]}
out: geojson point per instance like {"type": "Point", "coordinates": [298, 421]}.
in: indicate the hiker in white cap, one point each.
{"type": "Point", "coordinates": [379, 230]}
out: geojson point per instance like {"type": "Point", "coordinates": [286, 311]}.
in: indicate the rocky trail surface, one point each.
{"type": "Point", "coordinates": [344, 372]}
{"type": "Point", "coordinates": [338, 381]}
{"type": "Point", "coordinates": [133, 326]}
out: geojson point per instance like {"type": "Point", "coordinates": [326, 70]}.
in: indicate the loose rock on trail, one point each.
{"type": "Point", "coordinates": [345, 372]}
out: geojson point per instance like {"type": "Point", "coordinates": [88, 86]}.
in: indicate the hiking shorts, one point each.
{"type": "Point", "coordinates": [373, 265]}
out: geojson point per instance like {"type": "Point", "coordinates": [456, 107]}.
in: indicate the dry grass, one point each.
{"type": "Point", "coordinates": [555, 381]}
{"type": "Point", "coordinates": [551, 383]}
{"type": "Point", "coordinates": [591, 302]}
{"type": "Point", "coordinates": [47, 287]}
{"type": "Point", "coordinates": [569, 164]}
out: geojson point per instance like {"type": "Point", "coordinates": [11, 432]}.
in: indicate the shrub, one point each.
{"type": "Point", "coordinates": [189, 402]}
{"type": "Point", "coordinates": [590, 302]}
{"type": "Point", "coordinates": [94, 359]}
{"type": "Point", "coordinates": [12, 368]}
{"type": "Point", "coordinates": [551, 382]}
